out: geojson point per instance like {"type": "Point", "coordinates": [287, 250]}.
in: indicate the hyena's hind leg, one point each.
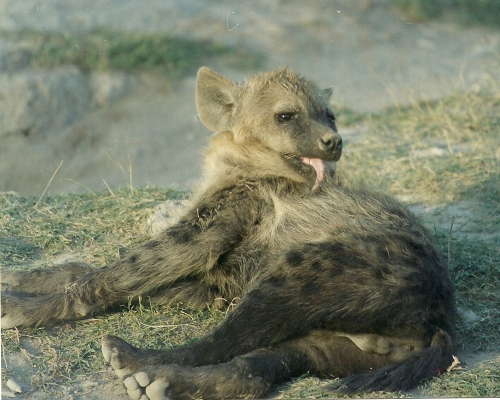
{"type": "Point", "coordinates": [44, 281]}
{"type": "Point", "coordinates": [321, 353]}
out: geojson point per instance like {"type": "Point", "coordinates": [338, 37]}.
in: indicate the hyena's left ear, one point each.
{"type": "Point", "coordinates": [215, 99]}
{"type": "Point", "coordinates": [326, 94]}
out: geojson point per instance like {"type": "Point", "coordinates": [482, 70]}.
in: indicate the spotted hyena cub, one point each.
{"type": "Point", "coordinates": [334, 280]}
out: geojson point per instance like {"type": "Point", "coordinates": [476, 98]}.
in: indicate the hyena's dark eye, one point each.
{"type": "Point", "coordinates": [285, 116]}
{"type": "Point", "coordinates": [330, 117]}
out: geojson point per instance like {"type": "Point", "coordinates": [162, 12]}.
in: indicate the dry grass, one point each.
{"type": "Point", "coordinates": [441, 158]}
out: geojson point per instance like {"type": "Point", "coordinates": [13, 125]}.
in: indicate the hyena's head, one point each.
{"type": "Point", "coordinates": [276, 111]}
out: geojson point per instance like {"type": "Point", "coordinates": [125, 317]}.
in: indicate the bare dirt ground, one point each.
{"type": "Point", "coordinates": [372, 56]}
{"type": "Point", "coordinates": [133, 128]}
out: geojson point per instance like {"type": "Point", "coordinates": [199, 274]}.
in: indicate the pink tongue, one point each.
{"type": "Point", "coordinates": [319, 166]}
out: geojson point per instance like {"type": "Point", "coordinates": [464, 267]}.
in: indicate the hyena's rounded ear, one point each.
{"type": "Point", "coordinates": [326, 94]}
{"type": "Point", "coordinates": [215, 99]}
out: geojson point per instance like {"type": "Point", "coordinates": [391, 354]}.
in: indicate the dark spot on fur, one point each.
{"type": "Point", "coordinates": [182, 234]}
{"type": "Point", "coordinates": [133, 258]}
{"type": "Point", "coordinates": [330, 248]}
{"type": "Point", "coordinates": [160, 259]}
{"type": "Point", "coordinates": [294, 258]}
{"type": "Point", "coordinates": [277, 281]}
{"type": "Point", "coordinates": [336, 270]}
{"type": "Point", "coordinates": [381, 272]}
{"type": "Point", "coordinates": [316, 264]}
{"type": "Point", "coordinates": [310, 287]}
{"type": "Point", "coordinates": [377, 274]}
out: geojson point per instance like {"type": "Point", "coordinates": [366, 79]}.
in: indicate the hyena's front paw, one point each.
{"type": "Point", "coordinates": [13, 310]}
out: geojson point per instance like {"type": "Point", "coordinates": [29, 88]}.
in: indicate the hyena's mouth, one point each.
{"type": "Point", "coordinates": [322, 168]}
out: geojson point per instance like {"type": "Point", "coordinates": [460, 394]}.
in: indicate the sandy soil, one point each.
{"type": "Point", "coordinates": [132, 128]}
{"type": "Point", "coordinates": [135, 126]}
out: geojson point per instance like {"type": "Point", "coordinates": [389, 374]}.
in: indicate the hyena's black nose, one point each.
{"type": "Point", "coordinates": [330, 142]}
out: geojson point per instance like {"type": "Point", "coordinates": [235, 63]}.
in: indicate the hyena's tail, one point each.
{"type": "Point", "coordinates": [406, 374]}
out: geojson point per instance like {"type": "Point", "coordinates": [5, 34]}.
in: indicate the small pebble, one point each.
{"type": "Point", "coordinates": [14, 386]}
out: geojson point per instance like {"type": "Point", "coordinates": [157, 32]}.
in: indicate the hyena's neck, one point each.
{"type": "Point", "coordinates": [228, 162]}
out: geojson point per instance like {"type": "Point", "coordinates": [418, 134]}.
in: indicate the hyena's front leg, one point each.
{"type": "Point", "coordinates": [71, 300]}
{"type": "Point", "coordinates": [161, 268]}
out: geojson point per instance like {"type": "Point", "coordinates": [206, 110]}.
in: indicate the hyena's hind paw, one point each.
{"type": "Point", "coordinates": [231, 380]}
{"type": "Point", "coordinates": [142, 386]}
{"type": "Point", "coordinates": [123, 357]}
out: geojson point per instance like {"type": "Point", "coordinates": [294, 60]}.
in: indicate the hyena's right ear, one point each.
{"type": "Point", "coordinates": [215, 99]}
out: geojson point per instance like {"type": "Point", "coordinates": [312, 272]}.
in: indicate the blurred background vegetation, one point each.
{"type": "Point", "coordinates": [102, 50]}
{"type": "Point", "coordinates": [174, 57]}
{"type": "Point", "coordinates": [465, 11]}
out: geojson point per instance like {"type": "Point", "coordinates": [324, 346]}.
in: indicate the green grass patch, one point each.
{"type": "Point", "coordinates": [434, 152]}
{"type": "Point", "coordinates": [479, 381]}
{"type": "Point", "coordinates": [485, 12]}
{"type": "Point", "coordinates": [345, 116]}
{"type": "Point", "coordinates": [91, 226]}
{"type": "Point", "coordinates": [103, 50]}
{"type": "Point", "coordinates": [440, 157]}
